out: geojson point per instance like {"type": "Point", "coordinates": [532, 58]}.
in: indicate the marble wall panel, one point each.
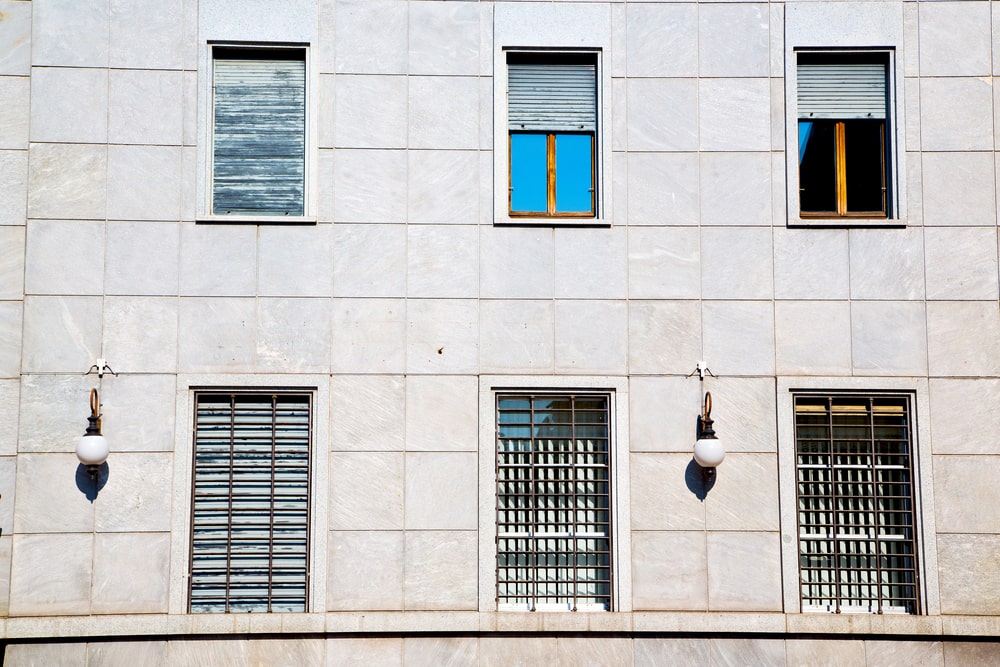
{"type": "Point", "coordinates": [663, 189]}
{"type": "Point", "coordinates": [594, 650]}
{"type": "Point", "coordinates": [146, 107]}
{"type": "Point", "coordinates": [358, 581]}
{"type": "Point", "coordinates": [760, 652]}
{"type": "Point", "coordinates": [911, 120]}
{"type": "Point", "coordinates": [904, 653]}
{"type": "Point", "coordinates": [889, 337]}
{"type": "Point", "coordinates": [959, 189]}
{"type": "Point", "coordinates": [735, 188]}
{"type": "Point", "coordinates": [50, 655]}
{"type": "Point", "coordinates": [62, 257]}
{"type": "Point", "coordinates": [442, 336]}
{"type": "Point", "coordinates": [745, 409]}
{"type": "Point", "coordinates": [61, 334]}
{"type": "Point", "coordinates": [287, 651]}
{"type": "Point", "coordinates": [53, 411]}
{"type": "Point", "coordinates": [442, 261]}
{"type": "Point", "coordinates": [443, 186]}
{"type": "Point", "coordinates": [369, 336]}
{"type": "Point", "coordinates": [67, 181]}
{"type": "Point", "coordinates": [141, 258]}
{"type": "Point", "coordinates": [294, 261]}
{"type": "Point", "coordinates": [13, 187]}
{"type": "Point", "coordinates": [218, 260]}
{"type": "Point", "coordinates": [10, 391]}
{"type": "Point", "coordinates": [442, 413]}
{"type": "Point", "coordinates": [146, 653]}
{"type": "Point", "coordinates": [963, 487]}
{"type": "Point", "coordinates": [147, 34]}
{"type": "Point", "coordinates": [441, 491]}
{"type": "Point", "coordinates": [812, 337]}
{"type": "Point", "coordinates": [591, 336]}
{"type": "Point", "coordinates": [669, 571]}
{"type": "Point", "coordinates": [443, 112]}
{"type": "Point", "coordinates": [962, 410]}
{"type": "Point", "coordinates": [956, 114]}
{"type": "Point", "coordinates": [963, 338]}
{"type": "Point", "coordinates": [734, 114]}
{"type": "Point", "coordinates": [366, 491]}
{"type": "Point", "coordinates": [661, 499]}
{"type": "Point", "coordinates": [140, 334]}
{"type": "Point", "coordinates": [444, 38]}
{"type": "Point", "coordinates": [662, 40]}
{"type": "Point", "coordinates": [664, 263]}
{"type": "Point", "coordinates": [347, 652]}
{"type": "Point", "coordinates": [367, 413]}
{"type": "Point", "coordinates": [144, 182]}
{"type": "Point", "coordinates": [136, 494]}
{"type": "Point", "coordinates": [15, 37]}
{"type": "Point", "coordinates": [368, 185]}
{"type": "Point", "coordinates": [655, 401]}
{"type": "Point", "coordinates": [516, 263]}
{"type": "Point", "coordinates": [360, 50]}
{"type": "Point", "coordinates": [965, 589]}
{"type": "Point", "coordinates": [219, 335]}
{"type": "Point", "coordinates": [51, 574]}
{"type": "Point", "coordinates": [131, 573]}
{"type": "Point", "coordinates": [441, 570]}
{"type": "Point", "coordinates": [971, 653]}
{"type": "Point", "coordinates": [738, 337]}
{"type": "Point", "coordinates": [655, 652]}
{"type": "Point", "coordinates": [744, 569]}
{"type": "Point", "coordinates": [821, 653]}
{"type": "Point", "coordinates": [370, 111]}
{"type": "Point", "coordinates": [954, 39]}
{"type": "Point", "coordinates": [662, 114]}
{"type": "Point", "coordinates": [8, 473]}
{"type": "Point", "coordinates": [504, 651]}
{"type": "Point", "coordinates": [293, 335]}
{"type": "Point", "coordinates": [71, 34]}
{"type": "Point", "coordinates": [198, 652]}
{"type": "Point", "coordinates": [721, 55]}
{"type": "Point", "coordinates": [369, 260]}
{"type": "Point", "coordinates": [745, 494]}
{"type": "Point", "coordinates": [887, 264]}
{"type": "Point", "coordinates": [440, 651]}
{"type": "Point", "coordinates": [14, 114]}
{"type": "Point", "coordinates": [961, 263]}
{"type": "Point", "coordinates": [591, 263]}
{"type": "Point", "coordinates": [516, 336]}
{"type": "Point", "coordinates": [11, 322]}
{"type": "Point", "coordinates": [914, 189]}
{"type": "Point", "coordinates": [12, 263]}
{"type": "Point", "coordinates": [737, 263]}
{"type": "Point", "coordinates": [663, 336]}
{"type": "Point", "coordinates": [139, 410]}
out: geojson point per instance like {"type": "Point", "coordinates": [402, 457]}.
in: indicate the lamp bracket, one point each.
{"type": "Point", "coordinates": [101, 367]}
{"type": "Point", "coordinates": [701, 368]}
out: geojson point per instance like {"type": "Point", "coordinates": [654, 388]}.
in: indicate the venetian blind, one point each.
{"type": "Point", "coordinates": [841, 90]}
{"type": "Point", "coordinates": [552, 96]}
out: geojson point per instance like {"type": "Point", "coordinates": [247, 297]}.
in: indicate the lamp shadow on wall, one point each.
{"type": "Point", "coordinates": [91, 486]}
{"type": "Point", "coordinates": [697, 482]}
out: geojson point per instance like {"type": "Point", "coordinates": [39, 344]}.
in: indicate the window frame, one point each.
{"type": "Point", "coordinates": [916, 392]}
{"type": "Point", "coordinates": [206, 144]}
{"type": "Point", "coordinates": [616, 390]}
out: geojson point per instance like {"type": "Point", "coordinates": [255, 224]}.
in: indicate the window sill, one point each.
{"type": "Point", "coordinates": [256, 219]}
{"type": "Point", "coordinates": [846, 222]}
{"type": "Point", "coordinates": [566, 221]}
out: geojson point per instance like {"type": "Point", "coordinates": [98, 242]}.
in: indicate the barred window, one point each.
{"type": "Point", "coordinates": [250, 509]}
{"type": "Point", "coordinates": [855, 488]}
{"type": "Point", "coordinates": [553, 502]}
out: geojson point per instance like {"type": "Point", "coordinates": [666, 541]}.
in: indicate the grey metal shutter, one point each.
{"type": "Point", "coordinates": [843, 90]}
{"type": "Point", "coordinates": [555, 97]}
{"type": "Point", "coordinates": [250, 508]}
{"type": "Point", "coordinates": [259, 143]}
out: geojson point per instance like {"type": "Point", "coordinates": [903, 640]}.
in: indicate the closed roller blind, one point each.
{"type": "Point", "coordinates": [552, 97]}
{"type": "Point", "coordinates": [841, 90]}
{"type": "Point", "coordinates": [259, 142]}
{"type": "Point", "coordinates": [250, 515]}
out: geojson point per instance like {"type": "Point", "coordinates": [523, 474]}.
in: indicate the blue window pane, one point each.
{"type": "Point", "coordinates": [574, 173]}
{"type": "Point", "coordinates": [528, 173]}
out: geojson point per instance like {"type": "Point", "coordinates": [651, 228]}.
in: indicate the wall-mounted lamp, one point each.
{"type": "Point", "coordinates": [708, 449]}
{"type": "Point", "coordinates": [93, 449]}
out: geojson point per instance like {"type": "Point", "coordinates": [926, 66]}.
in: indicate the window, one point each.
{"type": "Point", "coordinates": [553, 499]}
{"type": "Point", "coordinates": [250, 507]}
{"type": "Point", "coordinates": [856, 503]}
{"type": "Point", "coordinates": [552, 126]}
{"type": "Point", "coordinates": [843, 138]}
{"type": "Point", "coordinates": [258, 132]}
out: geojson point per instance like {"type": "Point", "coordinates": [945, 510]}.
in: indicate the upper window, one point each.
{"type": "Point", "coordinates": [552, 130]}
{"type": "Point", "coordinates": [856, 503]}
{"type": "Point", "coordinates": [843, 138]}
{"type": "Point", "coordinates": [258, 132]}
{"type": "Point", "coordinates": [250, 508]}
{"type": "Point", "coordinates": [553, 491]}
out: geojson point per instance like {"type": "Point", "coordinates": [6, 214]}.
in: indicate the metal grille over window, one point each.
{"type": "Point", "coordinates": [553, 502]}
{"type": "Point", "coordinates": [259, 143]}
{"type": "Point", "coordinates": [250, 514]}
{"type": "Point", "coordinates": [857, 543]}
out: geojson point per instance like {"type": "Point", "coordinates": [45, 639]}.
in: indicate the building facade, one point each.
{"type": "Point", "coordinates": [404, 318]}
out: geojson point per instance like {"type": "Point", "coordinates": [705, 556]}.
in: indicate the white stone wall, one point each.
{"type": "Point", "coordinates": [405, 291]}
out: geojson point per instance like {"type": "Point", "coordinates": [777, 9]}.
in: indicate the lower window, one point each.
{"type": "Point", "coordinates": [553, 472]}
{"type": "Point", "coordinates": [856, 511]}
{"type": "Point", "coordinates": [250, 508]}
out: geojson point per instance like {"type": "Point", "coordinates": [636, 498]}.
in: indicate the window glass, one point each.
{"type": "Point", "coordinates": [528, 172]}
{"type": "Point", "coordinates": [574, 173]}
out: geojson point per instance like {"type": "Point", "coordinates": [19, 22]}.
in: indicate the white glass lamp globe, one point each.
{"type": "Point", "coordinates": [92, 450]}
{"type": "Point", "coordinates": [709, 452]}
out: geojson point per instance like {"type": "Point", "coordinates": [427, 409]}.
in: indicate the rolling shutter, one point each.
{"type": "Point", "coordinates": [841, 90]}
{"type": "Point", "coordinates": [259, 142]}
{"type": "Point", "coordinates": [250, 511]}
{"type": "Point", "coordinates": [552, 97]}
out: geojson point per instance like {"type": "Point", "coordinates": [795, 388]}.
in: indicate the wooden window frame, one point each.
{"type": "Point", "coordinates": [550, 179]}
{"type": "Point", "coordinates": [840, 156]}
